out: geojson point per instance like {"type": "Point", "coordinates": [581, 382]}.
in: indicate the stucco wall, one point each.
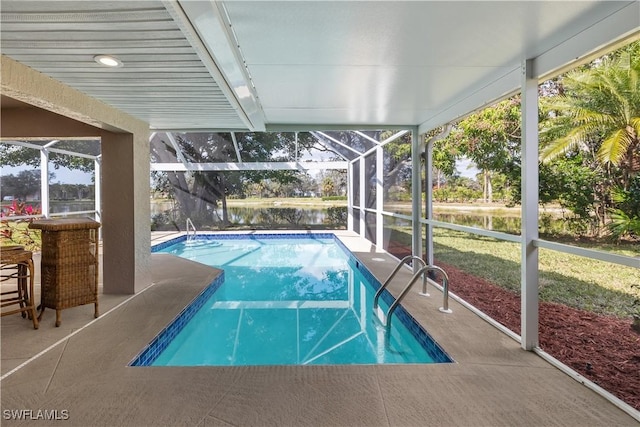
{"type": "Point", "coordinates": [125, 164]}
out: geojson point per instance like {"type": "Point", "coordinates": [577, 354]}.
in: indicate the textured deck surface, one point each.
{"type": "Point", "coordinates": [83, 375]}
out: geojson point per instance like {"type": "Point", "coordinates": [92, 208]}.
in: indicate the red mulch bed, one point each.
{"type": "Point", "coordinates": [603, 349]}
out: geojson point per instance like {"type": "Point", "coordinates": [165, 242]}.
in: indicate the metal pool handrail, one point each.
{"type": "Point", "coordinates": [394, 272]}
{"type": "Point", "coordinates": [422, 271]}
{"type": "Point", "coordinates": [193, 227]}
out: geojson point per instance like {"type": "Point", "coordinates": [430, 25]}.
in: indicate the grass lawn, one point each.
{"type": "Point", "coordinates": [564, 278]}
{"type": "Point", "coordinates": [285, 202]}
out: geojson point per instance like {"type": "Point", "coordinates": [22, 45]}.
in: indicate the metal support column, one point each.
{"type": "Point", "coordinates": [363, 200]}
{"type": "Point", "coordinates": [428, 203]}
{"type": "Point", "coordinates": [529, 190]}
{"type": "Point", "coordinates": [45, 206]}
{"type": "Point", "coordinates": [97, 190]}
{"type": "Point", "coordinates": [350, 189]}
{"type": "Point", "coordinates": [379, 196]}
{"type": "Point", "coordinates": [416, 196]}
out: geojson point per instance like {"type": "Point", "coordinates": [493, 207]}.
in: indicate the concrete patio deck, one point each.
{"type": "Point", "coordinates": [83, 377]}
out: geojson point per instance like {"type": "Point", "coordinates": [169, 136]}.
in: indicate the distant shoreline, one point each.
{"type": "Point", "coordinates": [400, 206]}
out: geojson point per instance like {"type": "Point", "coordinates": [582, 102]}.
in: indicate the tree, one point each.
{"type": "Point", "coordinates": [328, 187]}
{"type": "Point", "coordinates": [13, 155]}
{"type": "Point", "coordinates": [596, 115]}
{"type": "Point", "coordinates": [359, 142]}
{"type": "Point", "coordinates": [625, 218]}
{"type": "Point", "coordinates": [491, 139]}
{"type": "Point", "coordinates": [199, 194]}
{"type": "Point", "coordinates": [599, 111]}
{"type": "Point", "coordinates": [307, 186]}
{"type": "Point", "coordinates": [333, 182]}
{"type": "Point", "coordinates": [396, 161]}
{"type": "Point", "coordinates": [21, 186]}
{"type": "Point", "coordinates": [445, 154]}
{"type": "Point", "coordinates": [61, 191]}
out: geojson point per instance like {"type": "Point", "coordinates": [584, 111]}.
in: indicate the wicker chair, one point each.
{"type": "Point", "coordinates": [16, 264]}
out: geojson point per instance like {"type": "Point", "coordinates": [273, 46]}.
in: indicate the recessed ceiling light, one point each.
{"type": "Point", "coordinates": [108, 61]}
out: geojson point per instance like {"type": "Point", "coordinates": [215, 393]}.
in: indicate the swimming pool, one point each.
{"type": "Point", "coordinates": [295, 299]}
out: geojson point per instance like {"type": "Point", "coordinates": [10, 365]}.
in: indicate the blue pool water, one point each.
{"type": "Point", "coordinates": [292, 300]}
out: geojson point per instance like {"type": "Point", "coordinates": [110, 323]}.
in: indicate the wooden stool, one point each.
{"type": "Point", "coordinates": [16, 263]}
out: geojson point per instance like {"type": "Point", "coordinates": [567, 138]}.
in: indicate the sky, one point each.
{"type": "Point", "coordinates": [466, 168]}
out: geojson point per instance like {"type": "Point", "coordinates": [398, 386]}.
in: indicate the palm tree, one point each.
{"type": "Point", "coordinates": [598, 112]}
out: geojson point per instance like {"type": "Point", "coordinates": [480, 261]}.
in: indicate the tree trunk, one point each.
{"type": "Point", "coordinates": [181, 191]}
{"type": "Point", "coordinates": [487, 189]}
{"type": "Point", "coordinates": [225, 212]}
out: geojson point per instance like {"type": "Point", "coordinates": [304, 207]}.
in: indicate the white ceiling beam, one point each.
{"type": "Point", "coordinates": [386, 141]}
{"type": "Point", "coordinates": [235, 145]}
{"type": "Point", "coordinates": [206, 26]}
{"type": "Point", "coordinates": [340, 143]}
{"type": "Point", "coordinates": [24, 144]}
{"type": "Point", "coordinates": [198, 130]}
{"type": "Point", "coordinates": [247, 166]}
{"type": "Point", "coordinates": [394, 137]}
{"type": "Point", "coordinates": [614, 31]}
{"type": "Point", "coordinates": [365, 136]}
{"type": "Point", "coordinates": [505, 85]}
{"type": "Point", "coordinates": [51, 144]}
{"type": "Point", "coordinates": [176, 147]}
{"type": "Point", "coordinates": [51, 150]}
{"type": "Point", "coordinates": [310, 127]}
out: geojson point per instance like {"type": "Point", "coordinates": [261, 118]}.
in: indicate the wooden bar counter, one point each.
{"type": "Point", "coordinates": [69, 263]}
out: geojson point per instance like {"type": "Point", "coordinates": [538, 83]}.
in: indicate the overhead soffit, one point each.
{"type": "Point", "coordinates": [310, 64]}
{"type": "Point", "coordinates": [163, 81]}
{"type": "Point", "coordinates": [399, 62]}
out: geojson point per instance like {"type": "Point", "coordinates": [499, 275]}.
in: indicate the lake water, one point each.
{"type": "Point", "coordinates": [71, 206]}
{"type": "Point", "coordinates": [303, 216]}
{"type": "Point", "coordinates": [504, 222]}
{"type": "Point", "coordinates": [263, 215]}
